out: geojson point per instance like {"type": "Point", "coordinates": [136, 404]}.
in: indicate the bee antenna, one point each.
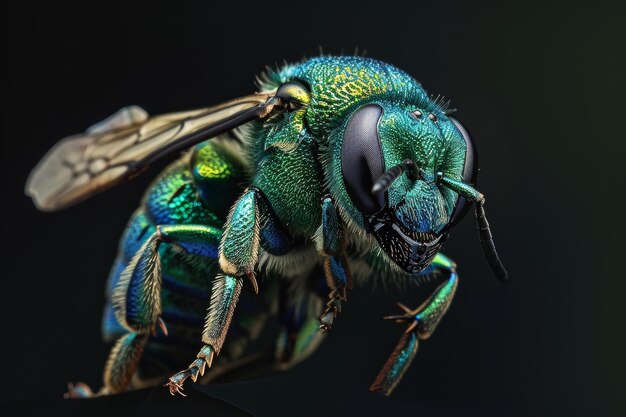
{"type": "Point", "coordinates": [486, 241]}
{"type": "Point", "coordinates": [383, 183]}
{"type": "Point", "coordinates": [484, 232]}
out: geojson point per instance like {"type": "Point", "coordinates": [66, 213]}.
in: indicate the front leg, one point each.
{"type": "Point", "coordinates": [421, 321]}
{"type": "Point", "coordinates": [331, 245]}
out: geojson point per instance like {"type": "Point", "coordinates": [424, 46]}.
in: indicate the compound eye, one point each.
{"type": "Point", "coordinates": [362, 161]}
{"type": "Point", "coordinates": [294, 95]}
{"type": "Point", "coordinates": [470, 172]}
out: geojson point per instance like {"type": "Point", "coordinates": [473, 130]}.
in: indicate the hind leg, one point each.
{"type": "Point", "coordinates": [137, 300]}
{"type": "Point", "coordinates": [122, 362]}
{"type": "Point", "coordinates": [119, 369]}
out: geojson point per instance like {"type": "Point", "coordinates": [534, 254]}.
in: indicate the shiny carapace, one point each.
{"type": "Point", "coordinates": [336, 164]}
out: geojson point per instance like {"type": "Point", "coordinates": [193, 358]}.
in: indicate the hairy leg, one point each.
{"type": "Point", "coordinates": [421, 323]}
{"type": "Point", "coordinates": [137, 296]}
{"type": "Point", "coordinates": [248, 221]}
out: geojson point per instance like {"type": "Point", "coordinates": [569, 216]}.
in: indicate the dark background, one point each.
{"type": "Point", "coordinates": [541, 86]}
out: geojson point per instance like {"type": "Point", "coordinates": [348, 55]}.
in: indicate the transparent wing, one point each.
{"type": "Point", "coordinates": [124, 144]}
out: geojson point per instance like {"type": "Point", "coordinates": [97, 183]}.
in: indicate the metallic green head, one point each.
{"type": "Point", "coordinates": [367, 117]}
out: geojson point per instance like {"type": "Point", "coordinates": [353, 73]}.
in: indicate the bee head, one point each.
{"type": "Point", "coordinates": [389, 155]}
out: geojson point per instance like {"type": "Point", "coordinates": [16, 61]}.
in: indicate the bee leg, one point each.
{"type": "Point", "coordinates": [122, 362]}
{"type": "Point", "coordinates": [421, 321]}
{"type": "Point", "coordinates": [338, 280]}
{"type": "Point", "coordinates": [224, 297]}
{"type": "Point", "coordinates": [239, 248]}
{"type": "Point", "coordinates": [238, 255]}
{"type": "Point", "coordinates": [137, 296]}
{"type": "Point", "coordinates": [330, 244]}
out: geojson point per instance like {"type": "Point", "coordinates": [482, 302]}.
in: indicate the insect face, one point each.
{"type": "Point", "coordinates": [410, 217]}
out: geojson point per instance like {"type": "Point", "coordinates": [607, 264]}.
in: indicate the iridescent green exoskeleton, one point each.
{"type": "Point", "coordinates": [338, 164]}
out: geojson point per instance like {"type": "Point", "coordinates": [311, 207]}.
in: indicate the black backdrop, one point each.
{"type": "Point", "coordinates": [537, 84]}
